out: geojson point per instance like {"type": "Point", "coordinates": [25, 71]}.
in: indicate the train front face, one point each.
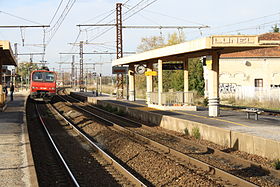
{"type": "Point", "coordinates": [43, 85]}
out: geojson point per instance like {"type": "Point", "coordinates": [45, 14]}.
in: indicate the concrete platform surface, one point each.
{"type": "Point", "coordinates": [267, 126]}
{"type": "Point", "coordinates": [16, 163]}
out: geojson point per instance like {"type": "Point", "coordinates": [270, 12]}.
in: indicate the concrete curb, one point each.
{"type": "Point", "coordinates": [2, 109]}
{"type": "Point", "coordinates": [30, 176]}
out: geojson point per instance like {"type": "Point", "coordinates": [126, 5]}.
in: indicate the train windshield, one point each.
{"type": "Point", "coordinates": [43, 76]}
{"type": "Point", "coordinates": [37, 76]}
{"type": "Point", "coordinates": [49, 77]}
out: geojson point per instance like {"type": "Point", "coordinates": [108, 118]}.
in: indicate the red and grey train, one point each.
{"type": "Point", "coordinates": [42, 84]}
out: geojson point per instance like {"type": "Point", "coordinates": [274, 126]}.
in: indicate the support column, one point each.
{"type": "Point", "coordinates": [1, 86]}
{"type": "Point", "coordinates": [186, 80]}
{"type": "Point", "coordinates": [131, 81]}
{"type": "Point", "coordinates": [160, 82]}
{"type": "Point", "coordinates": [149, 82]}
{"type": "Point", "coordinates": [213, 85]}
{"type": "Point", "coordinates": [1, 74]}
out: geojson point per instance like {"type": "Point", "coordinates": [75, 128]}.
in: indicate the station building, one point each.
{"type": "Point", "coordinates": [7, 58]}
{"type": "Point", "coordinates": [253, 73]}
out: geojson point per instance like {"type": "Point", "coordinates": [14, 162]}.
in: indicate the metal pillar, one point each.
{"type": "Point", "coordinates": [119, 45]}
{"type": "Point", "coordinates": [81, 79]}
{"type": "Point", "coordinates": [149, 81]}
{"type": "Point", "coordinates": [16, 68]}
{"type": "Point", "coordinates": [213, 85]}
{"type": "Point", "coordinates": [72, 71]}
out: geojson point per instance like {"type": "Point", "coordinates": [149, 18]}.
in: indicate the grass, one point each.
{"type": "Point", "coordinates": [196, 133]}
{"type": "Point", "coordinates": [113, 110]}
{"type": "Point", "coordinates": [276, 164]}
{"type": "Point", "coordinates": [187, 132]}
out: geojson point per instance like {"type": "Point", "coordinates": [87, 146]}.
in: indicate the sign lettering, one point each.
{"type": "Point", "coordinates": [234, 40]}
{"type": "Point", "coordinates": [119, 70]}
{"type": "Point", "coordinates": [178, 66]}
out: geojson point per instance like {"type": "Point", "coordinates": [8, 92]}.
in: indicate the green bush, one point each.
{"type": "Point", "coordinates": [120, 113]}
{"type": "Point", "coordinates": [205, 102]}
{"type": "Point", "coordinates": [276, 164]}
{"type": "Point", "coordinates": [196, 133]}
{"type": "Point", "coordinates": [187, 132]}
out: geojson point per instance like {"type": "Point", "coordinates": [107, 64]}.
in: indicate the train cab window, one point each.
{"type": "Point", "coordinates": [49, 77]}
{"type": "Point", "coordinates": [37, 76]}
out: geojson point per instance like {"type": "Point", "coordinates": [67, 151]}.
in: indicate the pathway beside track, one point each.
{"type": "Point", "coordinates": [16, 162]}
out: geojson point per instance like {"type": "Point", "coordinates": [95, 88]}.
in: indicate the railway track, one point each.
{"type": "Point", "coordinates": [59, 154]}
{"type": "Point", "coordinates": [49, 168]}
{"type": "Point", "coordinates": [104, 170]}
{"type": "Point", "coordinates": [240, 168]}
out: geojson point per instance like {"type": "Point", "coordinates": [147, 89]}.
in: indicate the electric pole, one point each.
{"type": "Point", "coordinates": [72, 70]}
{"type": "Point", "coordinates": [119, 45]}
{"type": "Point", "coordinates": [81, 67]}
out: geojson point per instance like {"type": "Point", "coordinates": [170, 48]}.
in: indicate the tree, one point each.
{"type": "Point", "coordinates": [275, 28]}
{"type": "Point", "coordinates": [25, 68]}
{"type": "Point", "coordinates": [150, 43]}
{"type": "Point", "coordinates": [196, 79]}
{"type": "Point", "coordinates": [175, 38]}
{"type": "Point", "coordinates": [174, 79]}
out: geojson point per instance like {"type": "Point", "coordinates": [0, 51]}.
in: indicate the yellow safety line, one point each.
{"type": "Point", "coordinates": [213, 119]}
{"type": "Point", "coordinates": [192, 115]}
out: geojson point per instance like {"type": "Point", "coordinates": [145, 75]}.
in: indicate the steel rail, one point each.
{"type": "Point", "coordinates": [120, 168]}
{"type": "Point", "coordinates": [206, 167]}
{"type": "Point", "coordinates": [246, 163]}
{"type": "Point", "coordinates": [56, 149]}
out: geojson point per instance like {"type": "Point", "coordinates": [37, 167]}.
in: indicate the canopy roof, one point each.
{"type": "Point", "coordinates": [197, 48]}
{"type": "Point", "coordinates": [6, 53]}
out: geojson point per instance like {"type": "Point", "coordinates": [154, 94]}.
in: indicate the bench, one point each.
{"type": "Point", "coordinates": [255, 111]}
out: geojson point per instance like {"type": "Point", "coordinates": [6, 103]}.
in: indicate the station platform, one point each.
{"type": "Point", "coordinates": [231, 128]}
{"type": "Point", "coordinates": [16, 163]}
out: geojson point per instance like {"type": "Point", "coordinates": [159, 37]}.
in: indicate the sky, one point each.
{"type": "Point", "coordinates": [222, 16]}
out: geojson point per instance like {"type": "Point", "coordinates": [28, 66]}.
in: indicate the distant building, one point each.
{"type": "Point", "coordinates": [251, 73]}
{"type": "Point", "coordinates": [6, 74]}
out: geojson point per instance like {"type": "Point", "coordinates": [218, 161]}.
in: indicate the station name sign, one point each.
{"type": "Point", "coordinates": [178, 66]}
{"type": "Point", "coordinates": [234, 40]}
{"type": "Point", "coordinates": [119, 70]}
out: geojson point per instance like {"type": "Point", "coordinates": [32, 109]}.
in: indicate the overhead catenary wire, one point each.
{"type": "Point", "coordinates": [79, 34]}
{"type": "Point", "coordinates": [60, 20]}
{"type": "Point", "coordinates": [135, 6]}
{"type": "Point", "coordinates": [12, 15]}
{"type": "Point", "coordinates": [252, 27]}
{"type": "Point", "coordinates": [239, 23]}
{"type": "Point", "coordinates": [56, 11]}
{"type": "Point", "coordinates": [111, 12]}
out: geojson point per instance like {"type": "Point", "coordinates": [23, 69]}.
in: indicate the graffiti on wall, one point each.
{"type": "Point", "coordinates": [226, 88]}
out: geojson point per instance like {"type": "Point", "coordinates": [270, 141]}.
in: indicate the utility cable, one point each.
{"type": "Point", "coordinates": [61, 19]}
{"type": "Point", "coordinates": [177, 18]}
{"type": "Point", "coordinates": [20, 17]}
{"type": "Point", "coordinates": [56, 12]}
{"type": "Point", "coordinates": [140, 10]}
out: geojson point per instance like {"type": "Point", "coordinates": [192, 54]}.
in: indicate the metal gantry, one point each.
{"type": "Point", "coordinates": [119, 45]}
{"type": "Point", "coordinates": [72, 70]}
{"type": "Point", "coordinates": [81, 81]}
